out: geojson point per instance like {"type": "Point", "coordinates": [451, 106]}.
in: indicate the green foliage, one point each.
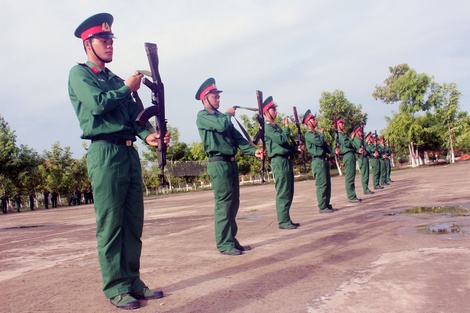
{"type": "Point", "coordinates": [62, 172]}
{"type": "Point", "coordinates": [336, 104]}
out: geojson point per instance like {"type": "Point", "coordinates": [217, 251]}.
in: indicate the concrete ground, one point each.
{"type": "Point", "coordinates": [365, 257]}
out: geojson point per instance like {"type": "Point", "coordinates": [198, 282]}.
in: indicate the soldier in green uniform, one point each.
{"type": "Point", "coordinates": [347, 151]}
{"type": "Point", "coordinates": [388, 165]}
{"type": "Point", "coordinates": [318, 148]}
{"type": "Point", "coordinates": [106, 113]}
{"type": "Point", "coordinates": [374, 160]}
{"type": "Point", "coordinates": [363, 158]}
{"type": "Point", "coordinates": [17, 198]}
{"type": "Point", "coordinates": [221, 142]}
{"type": "Point", "coordinates": [383, 162]}
{"type": "Point", "coordinates": [280, 152]}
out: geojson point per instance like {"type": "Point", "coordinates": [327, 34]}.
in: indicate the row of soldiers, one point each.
{"type": "Point", "coordinates": [50, 198]}
{"type": "Point", "coordinates": [221, 142]}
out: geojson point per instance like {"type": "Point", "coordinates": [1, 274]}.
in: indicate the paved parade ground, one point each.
{"type": "Point", "coordinates": [366, 257]}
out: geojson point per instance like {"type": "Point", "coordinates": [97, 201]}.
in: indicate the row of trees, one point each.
{"type": "Point", "coordinates": [428, 119]}
{"type": "Point", "coordinates": [23, 169]}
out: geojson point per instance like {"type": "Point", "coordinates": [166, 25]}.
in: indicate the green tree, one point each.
{"type": "Point", "coordinates": [412, 90]}
{"type": "Point", "coordinates": [335, 104]}
{"type": "Point", "coordinates": [62, 172]}
{"type": "Point", "coordinates": [450, 121]}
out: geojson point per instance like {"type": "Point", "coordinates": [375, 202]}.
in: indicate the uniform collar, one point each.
{"type": "Point", "coordinates": [97, 70]}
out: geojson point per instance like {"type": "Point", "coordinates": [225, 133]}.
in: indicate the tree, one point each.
{"type": "Point", "coordinates": [61, 171]}
{"type": "Point", "coordinates": [8, 152]}
{"type": "Point", "coordinates": [450, 121]}
{"type": "Point", "coordinates": [411, 89]}
{"type": "Point", "coordinates": [336, 104]}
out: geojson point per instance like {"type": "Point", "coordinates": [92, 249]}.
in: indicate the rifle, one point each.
{"type": "Point", "coordinates": [299, 137]}
{"type": "Point", "coordinates": [157, 109]}
{"type": "Point", "coordinates": [376, 139]}
{"type": "Point", "coordinates": [260, 134]}
{"type": "Point", "coordinates": [337, 156]}
{"type": "Point", "coordinates": [363, 146]}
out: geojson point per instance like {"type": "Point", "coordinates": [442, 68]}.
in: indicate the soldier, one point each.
{"type": "Point", "coordinates": [346, 149]}
{"type": "Point", "coordinates": [46, 198]}
{"type": "Point", "coordinates": [388, 165]}
{"type": "Point", "coordinates": [32, 195]}
{"type": "Point", "coordinates": [17, 199]}
{"type": "Point", "coordinates": [106, 113]}
{"type": "Point", "coordinates": [363, 159]}
{"type": "Point", "coordinates": [319, 150]}
{"type": "Point", "coordinates": [221, 142]}
{"type": "Point", "coordinates": [54, 197]}
{"type": "Point", "coordinates": [374, 160]}
{"type": "Point", "coordinates": [383, 162]}
{"type": "Point", "coordinates": [280, 152]}
{"type": "Point", "coordinates": [5, 201]}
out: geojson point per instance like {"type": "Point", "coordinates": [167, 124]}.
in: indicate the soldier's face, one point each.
{"type": "Point", "coordinates": [103, 48]}
{"type": "Point", "coordinates": [272, 113]}
{"type": "Point", "coordinates": [212, 99]}
{"type": "Point", "coordinates": [340, 126]}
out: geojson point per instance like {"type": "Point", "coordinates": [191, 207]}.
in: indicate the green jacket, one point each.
{"type": "Point", "coordinates": [277, 140]}
{"type": "Point", "coordinates": [345, 144]}
{"type": "Point", "coordinates": [370, 150]}
{"type": "Point", "coordinates": [103, 103]}
{"type": "Point", "coordinates": [219, 136]}
{"type": "Point", "coordinates": [316, 145]}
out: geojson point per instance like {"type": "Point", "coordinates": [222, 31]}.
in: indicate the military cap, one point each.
{"type": "Point", "coordinates": [337, 121]}
{"type": "Point", "coordinates": [369, 135]}
{"type": "Point", "coordinates": [207, 87]}
{"type": "Point", "coordinates": [307, 116]}
{"type": "Point", "coordinates": [268, 103]}
{"type": "Point", "coordinates": [357, 129]}
{"type": "Point", "coordinates": [98, 25]}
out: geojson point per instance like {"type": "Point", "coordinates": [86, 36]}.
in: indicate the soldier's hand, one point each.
{"type": "Point", "coordinates": [322, 131]}
{"type": "Point", "coordinates": [260, 154]}
{"type": "Point", "coordinates": [302, 148]}
{"type": "Point", "coordinates": [152, 139]}
{"type": "Point", "coordinates": [286, 121]}
{"type": "Point", "coordinates": [338, 151]}
{"type": "Point", "coordinates": [231, 111]}
{"type": "Point", "coordinates": [134, 81]}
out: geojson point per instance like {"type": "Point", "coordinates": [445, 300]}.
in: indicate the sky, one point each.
{"type": "Point", "coordinates": [291, 50]}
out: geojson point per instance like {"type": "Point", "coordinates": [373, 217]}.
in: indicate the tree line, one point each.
{"type": "Point", "coordinates": [429, 118]}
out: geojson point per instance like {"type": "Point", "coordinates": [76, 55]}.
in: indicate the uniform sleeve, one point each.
{"type": "Point", "coordinates": [86, 89]}
{"type": "Point", "coordinates": [242, 143]}
{"type": "Point", "coordinates": [207, 121]}
{"type": "Point", "coordinates": [278, 137]}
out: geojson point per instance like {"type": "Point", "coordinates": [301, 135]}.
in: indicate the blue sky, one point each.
{"type": "Point", "coordinates": [292, 50]}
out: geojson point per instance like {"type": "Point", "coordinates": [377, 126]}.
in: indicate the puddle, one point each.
{"type": "Point", "coordinates": [454, 210]}
{"type": "Point", "coordinates": [441, 228]}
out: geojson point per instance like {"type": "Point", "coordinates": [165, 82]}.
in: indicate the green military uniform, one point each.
{"type": "Point", "coordinates": [388, 166]}
{"type": "Point", "coordinates": [375, 164]}
{"type": "Point", "coordinates": [318, 148]}
{"type": "Point", "coordinates": [221, 142]}
{"type": "Point", "coordinates": [349, 162]}
{"type": "Point", "coordinates": [383, 165]}
{"type": "Point", "coordinates": [280, 152]}
{"type": "Point", "coordinates": [363, 161]}
{"type": "Point", "coordinates": [106, 113]}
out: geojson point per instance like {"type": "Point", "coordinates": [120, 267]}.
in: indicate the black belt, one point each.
{"type": "Point", "coordinates": [114, 140]}
{"type": "Point", "coordinates": [346, 153]}
{"type": "Point", "coordinates": [222, 158]}
{"type": "Point", "coordinates": [320, 158]}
